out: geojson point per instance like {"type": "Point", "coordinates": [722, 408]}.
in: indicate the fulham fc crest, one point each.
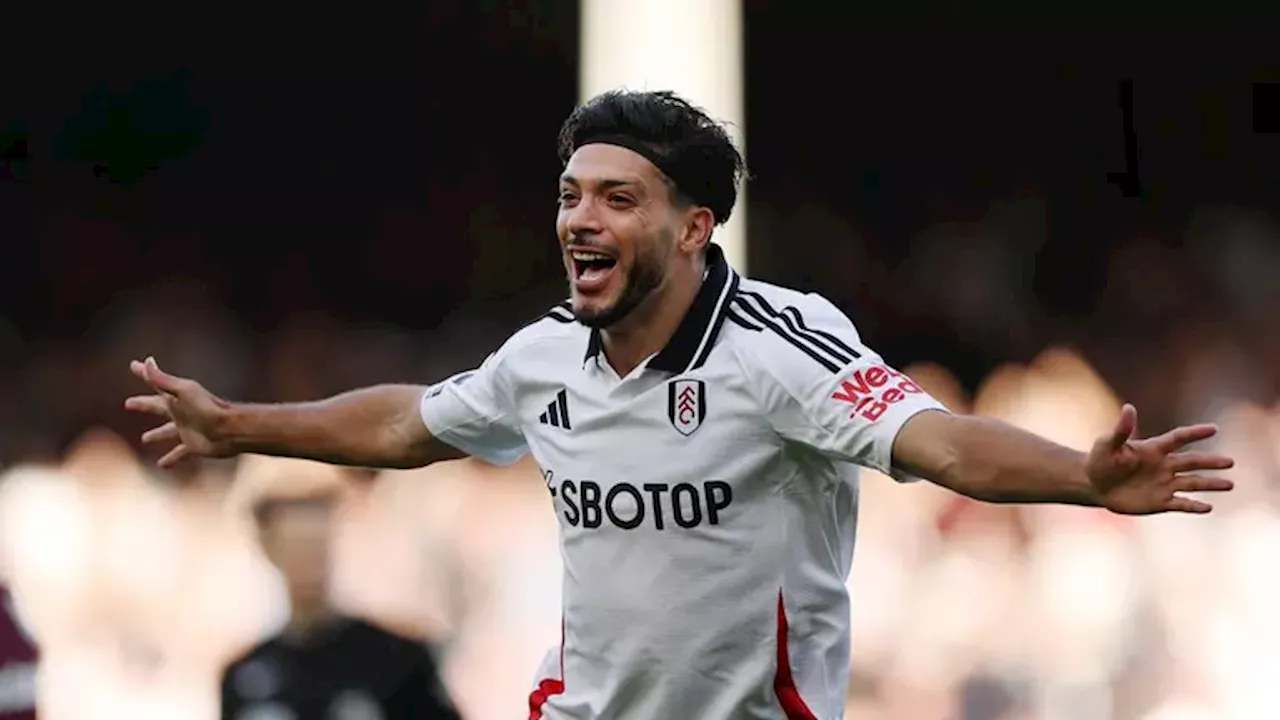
{"type": "Point", "coordinates": [687, 405]}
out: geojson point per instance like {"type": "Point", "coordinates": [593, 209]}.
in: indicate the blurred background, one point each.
{"type": "Point", "coordinates": [1039, 216]}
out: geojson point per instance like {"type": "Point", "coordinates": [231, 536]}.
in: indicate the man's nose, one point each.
{"type": "Point", "coordinates": [583, 219]}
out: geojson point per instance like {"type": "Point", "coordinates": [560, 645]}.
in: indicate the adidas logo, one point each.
{"type": "Point", "coordinates": [557, 412]}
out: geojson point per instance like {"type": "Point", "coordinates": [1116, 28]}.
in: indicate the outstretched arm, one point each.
{"type": "Point", "coordinates": [992, 461]}
{"type": "Point", "coordinates": [372, 427]}
{"type": "Point", "coordinates": [821, 387]}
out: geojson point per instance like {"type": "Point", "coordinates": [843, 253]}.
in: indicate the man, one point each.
{"type": "Point", "coordinates": [325, 665]}
{"type": "Point", "coordinates": [698, 433]}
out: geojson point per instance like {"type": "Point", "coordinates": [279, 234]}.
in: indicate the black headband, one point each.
{"type": "Point", "coordinates": [672, 167]}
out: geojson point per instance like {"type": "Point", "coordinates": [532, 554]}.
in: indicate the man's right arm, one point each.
{"type": "Point", "coordinates": [378, 426]}
{"type": "Point", "coordinates": [386, 426]}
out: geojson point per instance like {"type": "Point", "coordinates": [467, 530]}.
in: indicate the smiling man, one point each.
{"type": "Point", "coordinates": [700, 436]}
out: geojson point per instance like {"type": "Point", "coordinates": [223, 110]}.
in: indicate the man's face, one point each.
{"type": "Point", "coordinates": [296, 540]}
{"type": "Point", "coordinates": [617, 229]}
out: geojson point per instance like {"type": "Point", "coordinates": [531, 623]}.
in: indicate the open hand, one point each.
{"type": "Point", "coordinates": [192, 414]}
{"type": "Point", "coordinates": [1144, 477]}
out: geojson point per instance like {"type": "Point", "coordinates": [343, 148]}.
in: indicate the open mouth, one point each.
{"type": "Point", "coordinates": [590, 267]}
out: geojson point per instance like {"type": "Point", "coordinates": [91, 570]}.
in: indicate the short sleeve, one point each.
{"type": "Point", "coordinates": [821, 387]}
{"type": "Point", "coordinates": [471, 411]}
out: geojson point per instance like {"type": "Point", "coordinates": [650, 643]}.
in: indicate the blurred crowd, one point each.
{"type": "Point", "coordinates": [141, 587]}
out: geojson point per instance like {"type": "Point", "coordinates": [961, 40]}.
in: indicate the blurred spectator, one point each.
{"type": "Point", "coordinates": [325, 664]}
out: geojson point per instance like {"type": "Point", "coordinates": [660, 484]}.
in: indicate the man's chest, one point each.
{"type": "Point", "coordinates": [652, 453]}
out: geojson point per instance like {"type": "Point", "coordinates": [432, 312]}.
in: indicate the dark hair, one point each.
{"type": "Point", "coordinates": [693, 151]}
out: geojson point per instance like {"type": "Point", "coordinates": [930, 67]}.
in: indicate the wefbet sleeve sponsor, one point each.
{"type": "Point", "coordinates": [821, 387]}
{"type": "Point", "coordinates": [872, 390]}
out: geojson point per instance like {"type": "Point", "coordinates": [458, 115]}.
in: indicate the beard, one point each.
{"type": "Point", "coordinates": [643, 278]}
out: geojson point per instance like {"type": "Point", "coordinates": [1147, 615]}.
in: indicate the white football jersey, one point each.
{"type": "Point", "coordinates": [707, 501]}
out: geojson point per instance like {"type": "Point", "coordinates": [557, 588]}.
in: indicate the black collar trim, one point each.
{"type": "Point", "coordinates": [691, 344]}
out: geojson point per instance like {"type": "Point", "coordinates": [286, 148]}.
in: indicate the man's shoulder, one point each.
{"type": "Point", "coordinates": [759, 297]}
{"type": "Point", "coordinates": [367, 632]}
{"type": "Point", "coordinates": [771, 322]}
{"type": "Point", "coordinates": [556, 327]}
{"type": "Point", "coordinates": [393, 653]}
{"type": "Point", "coordinates": [778, 293]}
{"type": "Point", "coordinates": [772, 314]}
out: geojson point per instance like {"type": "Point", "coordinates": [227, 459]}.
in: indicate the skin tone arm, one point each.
{"type": "Point", "coordinates": [995, 462]}
{"type": "Point", "coordinates": [370, 427]}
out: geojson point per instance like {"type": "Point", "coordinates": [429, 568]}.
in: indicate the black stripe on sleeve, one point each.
{"type": "Point", "coordinates": [740, 321]}
{"type": "Point", "coordinates": [771, 323]}
{"type": "Point", "coordinates": [821, 333]}
{"type": "Point", "coordinates": [823, 343]}
{"type": "Point", "coordinates": [562, 313]}
{"type": "Point", "coordinates": [797, 330]}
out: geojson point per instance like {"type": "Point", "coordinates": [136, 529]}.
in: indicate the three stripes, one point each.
{"type": "Point", "coordinates": [557, 413]}
{"type": "Point", "coordinates": [751, 311]}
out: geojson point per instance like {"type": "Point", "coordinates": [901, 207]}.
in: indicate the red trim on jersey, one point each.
{"type": "Point", "coordinates": [784, 686]}
{"type": "Point", "coordinates": [547, 687]}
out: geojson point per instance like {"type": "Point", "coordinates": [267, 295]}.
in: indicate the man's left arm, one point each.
{"type": "Point", "coordinates": [993, 461]}
{"type": "Point", "coordinates": [820, 386]}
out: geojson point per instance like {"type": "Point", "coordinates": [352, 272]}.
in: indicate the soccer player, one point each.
{"type": "Point", "coordinates": [698, 433]}
{"type": "Point", "coordinates": [325, 664]}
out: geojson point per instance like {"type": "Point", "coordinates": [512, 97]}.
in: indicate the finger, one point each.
{"type": "Point", "coordinates": [1178, 437]}
{"type": "Point", "coordinates": [1126, 424]}
{"type": "Point", "coordinates": [140, 371]}
{"type": "Point", "coordinates": [154, 404]}
{"type": "Point", "coordinates": [173, 457]}
{"type": "Point", "coordinates": [1201, 483]}
{"type": "Point", "coordinates": [165, 433]}
{"type": "Point", "coordinates": [160, 379]}
{"type": "Point", "coordinates": [1187, 505]}
{"type": "Point", "coordinates": [1192, 462]}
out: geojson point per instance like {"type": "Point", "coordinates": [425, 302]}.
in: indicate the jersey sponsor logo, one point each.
{"type": "Point", "coordinates": [872, 389]}
{"type": "Point", "coordinates": [686, 405]}
{"type": "Point", "coordinates": [626, 506]}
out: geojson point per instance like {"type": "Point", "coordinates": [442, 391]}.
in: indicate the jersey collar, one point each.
{"type": "Point", "coordinates": [692, 342]}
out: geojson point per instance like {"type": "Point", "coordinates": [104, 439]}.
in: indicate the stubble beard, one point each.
{"type": "Point", "coordinates": [642, 280]}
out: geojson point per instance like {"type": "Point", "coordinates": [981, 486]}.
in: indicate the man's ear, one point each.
{"type": "Point", "coordinates": [695, 233]}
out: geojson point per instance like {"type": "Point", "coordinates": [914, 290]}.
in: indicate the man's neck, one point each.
{"type": "Point", "coordinates": [650, 326]}
{"type": "Point", "coordinates": [306, 618]}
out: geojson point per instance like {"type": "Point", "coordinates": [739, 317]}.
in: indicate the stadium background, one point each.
{"type": "Point", "coordinates": [285, 207]}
